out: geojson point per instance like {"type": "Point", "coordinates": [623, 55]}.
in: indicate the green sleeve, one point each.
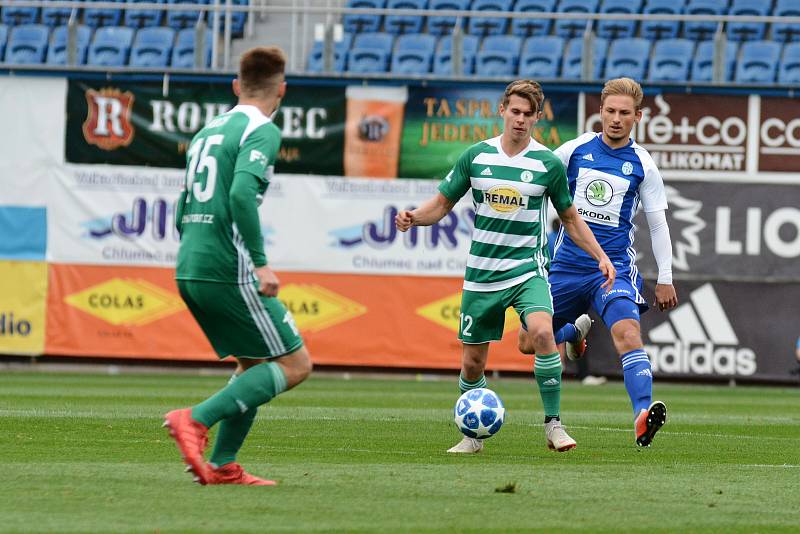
{"type": "Point", "coordinates": [558, 188]}
{"type": "Point", "coordinates": [179, 211]}
{"type": "Point", "coordinates": [456, 184]}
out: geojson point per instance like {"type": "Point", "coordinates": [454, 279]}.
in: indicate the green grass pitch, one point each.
{"type": "Point", "coordinates": [85, 453]}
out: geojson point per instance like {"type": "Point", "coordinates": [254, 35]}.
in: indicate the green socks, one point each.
{"type": "Point", "coordinates": [548, 376]}
{"type": "Point", "coordinates": [465, 385]}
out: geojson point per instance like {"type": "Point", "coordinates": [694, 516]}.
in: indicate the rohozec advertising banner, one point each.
{"type": "Point", "coordinates": [141, 124]}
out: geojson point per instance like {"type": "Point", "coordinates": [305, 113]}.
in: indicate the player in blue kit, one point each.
{"type": "Point", "coordinates": [610, 176]}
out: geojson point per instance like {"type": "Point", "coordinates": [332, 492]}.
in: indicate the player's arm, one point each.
{"type": "Point", "coordinates": [430, 212]}
{"type": "Point", "coordinates": [582, 235]}
{"type": "Point", "coordinates": [179, 209]}
{"type": "Point", "coordinates": [666, 298]}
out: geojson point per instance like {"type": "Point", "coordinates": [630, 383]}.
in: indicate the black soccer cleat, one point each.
{"type": "Point", "coordinates": [649, 422]}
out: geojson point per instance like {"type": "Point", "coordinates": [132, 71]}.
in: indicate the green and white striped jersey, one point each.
{"type": "Point", "coordinates": [509, 242]}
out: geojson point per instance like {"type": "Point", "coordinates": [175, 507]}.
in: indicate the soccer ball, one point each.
{"type": "Point", "coordinates": [479, 413]}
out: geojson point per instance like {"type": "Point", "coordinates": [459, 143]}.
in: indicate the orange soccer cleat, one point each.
{"type": "Point", "coordinates": [648, 422]}
{"type": "Point", "coordinates": [191, 438]}
{"type": "Point", "coordinates": [233, 473]}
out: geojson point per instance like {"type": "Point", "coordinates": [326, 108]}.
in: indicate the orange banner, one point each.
{"type": "Point", "coordinates": [380, 321]}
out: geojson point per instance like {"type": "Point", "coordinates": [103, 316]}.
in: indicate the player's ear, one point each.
{"type": "Point", "coordinates": [237, 90]}
{"type": "Point", "coordinates": [282, 89]}
{"type": "Point", "coordinates": [638, 115]}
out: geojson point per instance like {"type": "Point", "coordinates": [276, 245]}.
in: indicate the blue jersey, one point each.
{"type": "Point", "coordinates": [607, 186]}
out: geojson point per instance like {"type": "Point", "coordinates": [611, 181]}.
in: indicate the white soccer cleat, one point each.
{"type": "Point", "coordinates": [557, 437]}
{"type": "Point", "coordinates": [467, 446]}
{"type": "Point", "coordinates": [575, 350]}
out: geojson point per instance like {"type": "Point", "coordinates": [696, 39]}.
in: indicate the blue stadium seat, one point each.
{"type": "Point", "coordinates": [442, 60]}
{"type": "Point", "coordinates": [57, 51]}
{"type": "Point", "coordinates": [440, 25]}
{"type": "Point", "coordinates": [758, 62]}
{"type": "Point", "coordinates": [541, 57]}
{"type": "Point", "coordinates": [484, 26]}
{"type": "Point", "coordinates": [701, 31]}
{"type": "Point", "coordinates": [748, 31]}
{"type": "Point", "coordinates": [661, 29]}
{"type": "Point", "coordinates": [363, 23]}
{"type": "Point", "coordinates": [614, 29]}
{"type": "Point", "coordinates": [371, 52]}
{"type": "Point", "coordinates": [14, 16]}
{"type": "Point", "coordinates": [143, 18]}
{"type": "Point", "coordinates": [316, 61]}
{"type": "Point", "coordinates": [413, 53]}
{"type": "Point", "coordinates": [789, 68]}
{"type": "Point", "coordinates": [535, 26]}
{"type": "Point", "coordinates": [152, 47]}
{"type": "Point", "coordinates": [784, 31]}
{"type": "Point", "coordinates": [238, 18]}
{"type": "Point", "coordinates": [98, 17]}
{"type": "Point", "coordinates": [110, 46]}
{"type": "Point", "coordinates": [58, 16]}
{"type": "Point", "coordinates": [180, 19]}
{"type": "Point", "coordinates": [400, 24]}
{"type": "Point", "coordinates": [3, 39]}
{"type": "Point", "coordinates": [498, 56]}
{"type": "Point", "coordinates": [703, 63]}
{"type": "Point", "coordinates": [27, 44]}
{"type": "Point", "coordinates": [671, 60]}
{"type": "Point", "coordinates": [569, 28]}
{"type": "Point", "coordinates": [183, 51]}
{"type": "Point", "coordinates": [628, 57]}
{"type": "Point", "coordinates": [573, 58]}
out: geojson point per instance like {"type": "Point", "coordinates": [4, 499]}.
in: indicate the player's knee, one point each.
{"type": "Point", "coordinates": [525, 344]}
{"type": "Point", "coordinates": [296, 366]}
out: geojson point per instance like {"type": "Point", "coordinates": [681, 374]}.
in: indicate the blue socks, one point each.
{"type": "Point", "coordinates": [638, 379]}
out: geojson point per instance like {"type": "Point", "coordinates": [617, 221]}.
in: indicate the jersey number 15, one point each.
{"type": "Point", "coordinates": [202, 161]}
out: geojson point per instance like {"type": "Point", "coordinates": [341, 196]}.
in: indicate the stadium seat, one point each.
{"type": "Point", "coordinates": [371, 53]}
{"type": "Point", "coordinates": [400, 24]}
{"type": "Point", "coordinates": [316, 59]}
{"type": "Point", "coordinates": [671, 60]}
{"type": "Point", "coordinates": [97, 17]}
{"type": "Point", "coordinates": [784, 31]}
{"type": "Point", "coordinates": [363, 23]}
{"type": "Point", "coordinates": [534, 26]}
{"type": "Point", "coordinates": [57, 51]}
{"type": "Point", "coordinates": [758, 62]}
{"type": "Point", "coordinates": [701, 31]}
{"type": "Point", "coordinates": [152, 47]}
{"type": "Point", "coordinates": [14, 16]}
{"type": "Point", "coordinates": [628, 57]}
{"type": "Point", "coordinates": [238, 18]}
{"type": "Point", "coordinates": [569, 28]}
{"type": "Point", "coordinates": [661, 29]}
{"type": "Point", "coordinates": [180, 19]}
{"type": "Point", "coordinates": [748, 31]}
{"type": "Point", "coordinates": [413, 54]}
{"type": "Point", "coordinates": [789, 68]}
{"type": "Point", "coordinates": [27, 44]}
{"type": "Point", "coordinates": [110, 46]}
{"type": "Point", "coordinates": [614, 29]}
{"type": "Point", "coordinates": [183, 52]}
{"type": "Point", "coordinates": [442, 60]}
{"type": "Point", "coordinates": [703, 63]}
{"type": "Point", "coordinates": [573, 58]}
{"type": "Point", "coordinates": [498, 56]}
{"type": "Point", "coordinates": [58, 16]}
{"type": "Point", "coordinates": [541, 57]}
{"type": "Point", "coordinates": [3, 39]}
{"type": "Point", "coordinates": [440, 25]}
{"type": "Point", "coordinates": [143, 18]}
{"type": "Point", "coordinates": [484, 26]}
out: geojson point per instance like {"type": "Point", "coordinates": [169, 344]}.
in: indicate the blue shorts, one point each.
{"type": "Point", "coordinates": [574, 293]}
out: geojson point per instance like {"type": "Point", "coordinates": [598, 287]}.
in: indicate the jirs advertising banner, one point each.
{"type": "Point", "coordinates": [23, 292]}
{"type": "Point", "coordinates": [723, 230]}
{"type": "Point", "coordinates": [142, 124]}
{"type": "Point", "coordinates": [442, 122]}
{"type": "Point", "coordinates": [720, 330]}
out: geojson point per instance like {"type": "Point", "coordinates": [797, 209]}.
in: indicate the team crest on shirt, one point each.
{"type": "Point", "coordinates": [526, 176]}
{"type": "Point", "coordinates": [599, 192]}
{"type": "Point", "coordinates": [627, 168]}
{"type": "Point", "coordinates": [504, 199]}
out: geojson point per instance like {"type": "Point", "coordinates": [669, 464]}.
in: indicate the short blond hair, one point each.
{"type": "Point", "coordinates": [623, 87]}
{"type": "Point", "coordinates": [527, 89]}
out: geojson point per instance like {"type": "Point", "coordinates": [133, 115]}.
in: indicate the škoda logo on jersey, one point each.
{"type": "Point", "coordinates": [126, 301]}
{"type": "Point", "coordinates": [108, 118]}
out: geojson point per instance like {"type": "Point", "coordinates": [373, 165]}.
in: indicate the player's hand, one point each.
{"type": "Point", "coordinates": [404, 220]}
{"type": "Point", "coordinates": [666, 298]}
{"type": "Point", "coordinates": [268, 282]}
{"type": "Point", "coordinates": [609, 271]}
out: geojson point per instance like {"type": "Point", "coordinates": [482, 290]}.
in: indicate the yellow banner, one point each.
{"type": "Point", "coordinates": [23, 293]}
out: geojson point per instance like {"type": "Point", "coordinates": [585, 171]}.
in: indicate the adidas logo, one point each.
{"type": "Point", "coordinates": [588, 156]}
{"type": "Point", "coordinates": [242, 406]}
{"type": "Point", "coordinates": [486, 172]}
{"type": "Point", "coordinates": [698, 338]}
{"type": "Point", "coordinates": [645, 372]}
{"type": "Point", "coordinates": [550, 382]}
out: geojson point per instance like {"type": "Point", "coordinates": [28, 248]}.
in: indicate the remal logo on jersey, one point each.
{"type": "Point", "coordinates": [108, 118]}
{"type": "Point", "coordinates": [504, 199]}
{"type": "Point", "coordinates": [599, 192]}
{"type": "Point", "coordinates": [698, 339]}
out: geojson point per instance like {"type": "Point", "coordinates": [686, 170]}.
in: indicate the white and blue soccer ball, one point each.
{"type": "Point", "coordinates": [479, 413]}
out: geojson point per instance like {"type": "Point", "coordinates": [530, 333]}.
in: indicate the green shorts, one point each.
{"type": "Point", "coordinates": [483, 312]}
{"type": "Point", "coordinates": [239, 321]}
